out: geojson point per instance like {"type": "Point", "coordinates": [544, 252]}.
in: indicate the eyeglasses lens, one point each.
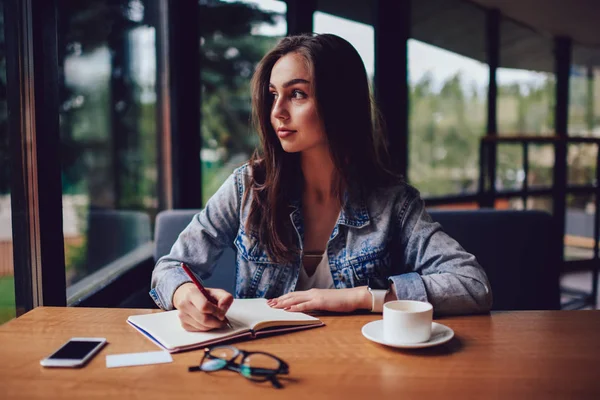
{"type": "Point", "coordinates": [259, 366]}
{"type": "Point", "coordinates": [218, 358]}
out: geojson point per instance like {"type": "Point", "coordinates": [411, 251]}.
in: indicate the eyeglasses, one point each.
{"type": "Point", "coordinates": [254, 365]}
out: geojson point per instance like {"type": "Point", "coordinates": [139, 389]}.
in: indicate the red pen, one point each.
{"type": "Point", "coordinates": [202, 289]}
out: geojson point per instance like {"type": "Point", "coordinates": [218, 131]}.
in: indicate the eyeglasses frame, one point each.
{"type": "Point", "coordinates": [264, 374]}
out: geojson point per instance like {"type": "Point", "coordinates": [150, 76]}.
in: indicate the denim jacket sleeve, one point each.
{"type": "Point", "coordinates": [200, 244]}
{"type": "Point", "coordinates": [438, 269]}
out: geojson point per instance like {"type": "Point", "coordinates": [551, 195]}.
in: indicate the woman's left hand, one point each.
{"type": "Point", "coordinates": [338, 300]}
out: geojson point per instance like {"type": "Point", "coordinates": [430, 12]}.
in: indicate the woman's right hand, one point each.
{"type": "Point", "coordinates": [196, 313]}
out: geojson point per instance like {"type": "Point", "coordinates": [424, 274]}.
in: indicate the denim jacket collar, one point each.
{"type": "Point", "coordinates": [355, 212]}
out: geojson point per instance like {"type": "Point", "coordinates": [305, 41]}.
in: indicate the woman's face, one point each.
{"type": "Point", "coordinates": [294, 113]}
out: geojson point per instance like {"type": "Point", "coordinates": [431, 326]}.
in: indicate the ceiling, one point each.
{"type": "Point", "coordinates": [526, 29]}
{"type": "Point", "coordinates": [577, 19]}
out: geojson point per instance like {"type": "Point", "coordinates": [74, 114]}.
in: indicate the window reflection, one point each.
{"type": "Point", "coordinates": [234, 37]}
{"type": "Point", "coordinates": [107, 125]}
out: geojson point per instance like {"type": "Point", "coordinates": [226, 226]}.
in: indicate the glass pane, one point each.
{"type": "Point", "coordinates": [447, 119]}
{"type": "Point", "coordinates": [526, 82]}
{"type": "Point", "coordinates": [229, 53]}
{"type": "Point", "coordinates": [581, 164]}
{"type": "Point", "coordinates": [448, 81]}
{"type": "Point", "coordinates": [541, 165]}
{"type": "Point", "coordinates": [584, 92]}
{"type": "Point", "coordinates": [579, 227]}
{"type": "Point", "coordinates": [509, 170]}
{"type": "Point", "coordinates": [7, 285]}
{"type": "Point", "coordinates": [581, 116]}
{"type": "Point", "coordinates": [108, 138]}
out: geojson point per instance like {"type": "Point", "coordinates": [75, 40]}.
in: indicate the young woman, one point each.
{"type": "Point", "coordinates": [316, 217]}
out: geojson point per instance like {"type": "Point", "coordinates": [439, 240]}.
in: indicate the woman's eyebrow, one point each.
{"type": "Point", "coordinates": [291, 82]}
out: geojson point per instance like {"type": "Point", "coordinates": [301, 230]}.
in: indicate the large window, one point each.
{"type": "Point", "coordinates": [234, 37]}
{"type": "Point", "coordinates": [107, 58]}
{"type": "Point", "coordinates": [448, 100]}
{"type": "Point", "coordinates": [7, 286]}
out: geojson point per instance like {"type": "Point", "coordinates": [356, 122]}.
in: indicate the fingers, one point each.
{"type": "Point", "coordinates": [292, 299]}
{"type": "Point", "coordinates": [224, 299]}
{"type": "Point", "coordinates": [337, 300]}
{"type": "Point", "coordinates": [202, 305]}
{"type": "Point", "coordinates": [301, 307]}
{"type": "Point", "coordinates": [196, 313]}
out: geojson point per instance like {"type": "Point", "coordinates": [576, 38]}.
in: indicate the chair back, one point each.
{"type": "Point", "coordinates": [517, 249]}
{"type": "Point", "coordinates": [169, 224]}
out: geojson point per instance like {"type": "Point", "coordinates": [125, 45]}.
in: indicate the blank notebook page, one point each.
{"type": "Point", "coordinates": [166, 328]}
{"type": "Point", "coordinates": [251, 312]}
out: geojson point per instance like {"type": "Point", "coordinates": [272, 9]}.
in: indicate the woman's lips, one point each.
{"type": "Point", "coordinates": [283, 133]}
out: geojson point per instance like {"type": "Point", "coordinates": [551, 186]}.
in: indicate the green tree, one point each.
{"type": "Point", "coordinates": [229, 52]}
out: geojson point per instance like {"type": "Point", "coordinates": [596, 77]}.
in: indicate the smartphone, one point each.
{"type": "Point", "coordinates": [75, 353]}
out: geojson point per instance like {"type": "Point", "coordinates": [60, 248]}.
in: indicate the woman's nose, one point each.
{"type": "Point", "coordinates": [279, 110]}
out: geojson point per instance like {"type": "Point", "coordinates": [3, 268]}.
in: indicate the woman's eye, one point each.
{"type": "Point", "coordinates": [273, 94]}
{"type": "Point", "coordinates": [298, 94]}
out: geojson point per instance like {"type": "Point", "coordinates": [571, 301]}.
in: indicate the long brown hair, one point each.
{"type": "Point", "coordinates": [354, 132]}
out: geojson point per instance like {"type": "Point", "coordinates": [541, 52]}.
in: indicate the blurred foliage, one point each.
{"type": "Point", "coordinates": [89, 118]}
{"type": "Point", "coordinates": [446, 126]}
{"type": "Point", "coordinates": [229, 51]}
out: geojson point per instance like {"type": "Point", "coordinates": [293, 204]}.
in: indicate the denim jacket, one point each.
{"type": "Point", "coordinates": [387, 234]}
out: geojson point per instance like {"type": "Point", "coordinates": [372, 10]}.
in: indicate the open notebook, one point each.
{"type": "Point", "coordinates": [248, 317]}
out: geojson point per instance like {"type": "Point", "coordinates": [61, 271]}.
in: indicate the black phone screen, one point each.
{"type": "Point", "coordinates": [74, 350]}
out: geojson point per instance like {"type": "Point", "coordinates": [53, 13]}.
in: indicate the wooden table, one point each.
{"type": "Point", "coordinates": [537, 354]}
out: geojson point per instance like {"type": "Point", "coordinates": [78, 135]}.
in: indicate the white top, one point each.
{"type": "Point", "coordinates": [321, 279]}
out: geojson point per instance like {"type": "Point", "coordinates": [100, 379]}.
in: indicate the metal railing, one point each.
{"type": "Point", "coordinates": [559, 189]}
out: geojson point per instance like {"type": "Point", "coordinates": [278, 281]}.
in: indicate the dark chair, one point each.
{"type": "Point", "coordinates": [169, 225]}
{"type": "Point", "coordinates": [517, 249]}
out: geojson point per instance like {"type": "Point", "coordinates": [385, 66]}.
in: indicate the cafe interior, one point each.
{"type": "Point", "coordinates": [119, 119]}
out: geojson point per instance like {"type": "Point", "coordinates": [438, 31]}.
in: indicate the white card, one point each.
{"type": "Point", "coordinates": [130, 359]}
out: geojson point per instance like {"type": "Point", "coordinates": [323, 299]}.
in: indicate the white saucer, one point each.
{"type": "Point", "coordinates": [439, 334]}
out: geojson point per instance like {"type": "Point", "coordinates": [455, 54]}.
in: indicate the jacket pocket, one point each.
{"type": "Point", "coordinates": [357, 270]}
{"type": "Point", "coordinates": [249, 248]}
{"type": "Point", "coordinates": [261, 274]}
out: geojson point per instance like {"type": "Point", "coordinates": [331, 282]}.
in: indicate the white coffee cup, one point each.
{"type": "Point", "coordinates": [407, 321]}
